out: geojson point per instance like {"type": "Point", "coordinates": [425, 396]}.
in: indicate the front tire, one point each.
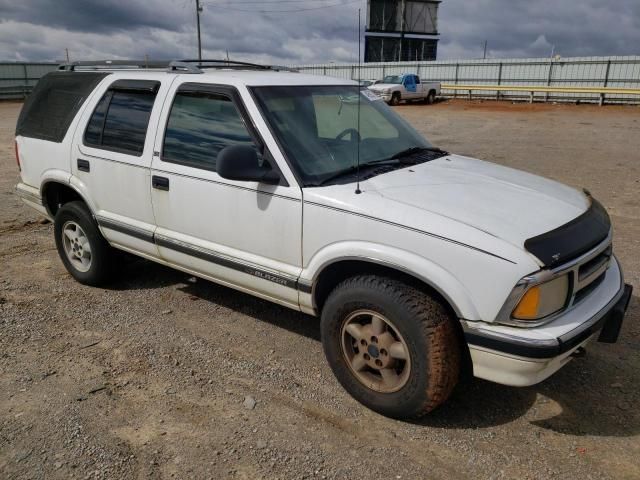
{"type": "Point", "coordinates": [83, 250]}
{"type": "Point", "coordinates": [391, 346]}
{"type": "Point", "coordinates": [395, 99]}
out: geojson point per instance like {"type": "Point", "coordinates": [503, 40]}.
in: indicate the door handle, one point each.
{"type": "Point", "coordinates": [83, 165]}
{"type": "Point", "coordinates": [161, 183]}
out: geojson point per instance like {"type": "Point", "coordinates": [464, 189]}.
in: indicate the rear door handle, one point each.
{"type": "Point", "coordinates": [161, 183]}
{"type": "Point", "coordinates": [83, 165]}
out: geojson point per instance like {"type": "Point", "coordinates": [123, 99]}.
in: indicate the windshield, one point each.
{"type": "Point", "coordinates": [392, 79]}
{"type": "Point", "coordinates": [317, 127]}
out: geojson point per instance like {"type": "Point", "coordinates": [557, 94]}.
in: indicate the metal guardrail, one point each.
{"type": "Point", "coordinates": [621, 72]}
{"type": "Point", "coordinates": [532, 89]}
{"type": "Point", "coordinates": [15, 92]}
{"type": "Point", "coordinates": [17, 79]}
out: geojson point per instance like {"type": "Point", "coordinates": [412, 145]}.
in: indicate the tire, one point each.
{"type": "Point", "coordinates": [421, 323]}
{"type": "Point", "coordinates": [431, 98]}
{"type": "Point", "coordinates": [395, 99]}
{"type": "Point", "coordinates": [89, 266]}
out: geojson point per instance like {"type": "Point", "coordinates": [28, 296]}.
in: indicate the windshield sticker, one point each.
{"type": "Point", "coordinates": [369, 95]}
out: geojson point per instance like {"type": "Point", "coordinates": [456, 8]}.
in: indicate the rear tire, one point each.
{"type": "Point", "coordinates": [431, 98]}
{"type": "Point", "coordinates": [372, 323]}
{"type": "Point", "coordinates": [83, 250]}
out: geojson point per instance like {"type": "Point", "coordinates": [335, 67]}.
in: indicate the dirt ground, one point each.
{"type": "Point", "coordinates": [149, 378]}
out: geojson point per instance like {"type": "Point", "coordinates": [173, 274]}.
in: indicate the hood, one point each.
{"type": "Point", "coordinates": [506, 203]}
{"type": "Point", "coordinates": [382, 86]}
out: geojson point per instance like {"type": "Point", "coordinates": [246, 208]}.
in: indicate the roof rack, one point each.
{"type": "Point", "coordinates": [114, 65]}
{"type": "Point", "coordinates": [197, 66]}
{"type": "Point", "coordinates": [182, 66]}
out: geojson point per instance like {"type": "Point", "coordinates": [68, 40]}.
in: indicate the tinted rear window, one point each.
{"type": "Point", "coordinates": [120, 120]}
{"type": "Point", "coordinates": [54, 102]}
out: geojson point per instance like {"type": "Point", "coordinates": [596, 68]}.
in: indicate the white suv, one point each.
{"type": "Point", "coordinates": [420, 263]}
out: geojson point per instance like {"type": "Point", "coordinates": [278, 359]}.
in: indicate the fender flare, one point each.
{"type": "Point", "coordinates": [66, 179]}
{"type": "Point", "coordinates": [419, 267]}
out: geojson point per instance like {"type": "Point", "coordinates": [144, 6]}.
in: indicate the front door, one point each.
{"type": "Point", "coordinates": [243, 234]}
{"type": "Point", "coordinates": [410, 86]}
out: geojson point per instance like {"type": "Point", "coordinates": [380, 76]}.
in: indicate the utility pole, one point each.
{"type": "Point", "coordinates": [66, 51]}
{"type": "Point", "coordinates": [401, 30]}
{"type": "Point", "coordinates": [484, 55]}
{"type": "Point", "coordinates": [198, 10]}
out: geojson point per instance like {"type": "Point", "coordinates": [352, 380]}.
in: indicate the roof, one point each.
{"type": "Point", "coordinates": [235, 77]}
{"type": "Point", "coordinates": [227, 72]}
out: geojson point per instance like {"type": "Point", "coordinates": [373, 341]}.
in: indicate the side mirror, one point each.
{"type": "Point", "coordinates": [241, 162]}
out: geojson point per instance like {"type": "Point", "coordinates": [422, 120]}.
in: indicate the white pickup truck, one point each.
{"type": "Point", "coordinates": [395, 88]}
{"type": "Point", "coordinates": [421, 264]}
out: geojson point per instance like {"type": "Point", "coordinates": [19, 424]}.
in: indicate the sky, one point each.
{"type": "Point", "coordinates": [305, 31]}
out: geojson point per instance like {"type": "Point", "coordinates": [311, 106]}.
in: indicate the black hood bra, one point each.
{"type": "Point", "coordinates": [572, 239]}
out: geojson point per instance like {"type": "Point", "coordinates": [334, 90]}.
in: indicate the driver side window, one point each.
{"type": "Point", "coordinates": [201, 124]}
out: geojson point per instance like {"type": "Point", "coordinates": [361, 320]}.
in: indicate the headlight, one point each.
{"type": "Point", "coordinates": [386, 90]}
{"type": "Point", "coordinates": [542, 300]}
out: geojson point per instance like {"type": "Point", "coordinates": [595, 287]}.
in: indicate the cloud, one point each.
{"type": "Point", "coordinates": [522, 28]}
{"type": "Point", "coordinates": [165, 29]}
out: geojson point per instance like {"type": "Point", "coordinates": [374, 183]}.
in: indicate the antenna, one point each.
{"type": "Point", "coordinates": [198, 10]}
{"type": "Point", "coordinates": [358, 191]}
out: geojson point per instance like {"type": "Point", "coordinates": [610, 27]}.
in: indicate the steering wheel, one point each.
{"type": "Point", "coordinates": [355, 134]}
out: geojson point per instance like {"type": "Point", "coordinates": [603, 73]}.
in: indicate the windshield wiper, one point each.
{"type": "Point", "coordinates": [403, 156]}
{"type": "Point", "coordinates": [411, 150]}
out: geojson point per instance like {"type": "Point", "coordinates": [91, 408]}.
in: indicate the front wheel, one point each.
{"type": "Point", "coordinates": [395, 99]}
{"type": "Point", "coordinates": [83, 250]}
{"type": "Point", "coordinates": [391, 346]}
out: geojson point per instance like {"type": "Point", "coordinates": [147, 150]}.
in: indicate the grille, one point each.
{"type": "Point", "coordinates": [591, 266]}
{"type": "Point", "coordinates": [589, 273]}
{"type": "Point", "coordinates": [584, 292]}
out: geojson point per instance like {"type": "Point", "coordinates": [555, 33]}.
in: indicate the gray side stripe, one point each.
{"type": "Point", "coordinates": [208, 255]}
{"type": "Point", "coordinates": [145, 235]}
{"type": "Point", "coordinates": [228, 262]}
{"type": "Point", "coordinates": [368, 217]}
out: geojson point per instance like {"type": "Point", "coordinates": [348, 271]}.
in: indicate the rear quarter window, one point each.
{"type": "Point", "coordinates": [49, 110]}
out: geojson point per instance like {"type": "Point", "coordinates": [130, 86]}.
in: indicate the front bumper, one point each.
{"type": "Point", "coordinates": [522, 356]}
{"type": "Point", "coordinates": [384, 96]}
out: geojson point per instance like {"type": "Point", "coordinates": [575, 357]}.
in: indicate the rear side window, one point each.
{"type": "Point", "coordinates": [199, 126]}
{"type": "Point", "coordinates": [120, 120]}
{"type": "Point", "coordinates": [54, 103]}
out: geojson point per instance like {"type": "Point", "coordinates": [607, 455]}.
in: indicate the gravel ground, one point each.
{"type": "Point", "coordinates": [165, 376]}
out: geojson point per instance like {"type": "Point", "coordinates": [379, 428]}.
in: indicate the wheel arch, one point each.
{"type": "Point", "coordinates": [334, 272]}
{"type": "Point", "coordinates": [56, 192]}
{"type": "Point", "coordinates": [427, 275]}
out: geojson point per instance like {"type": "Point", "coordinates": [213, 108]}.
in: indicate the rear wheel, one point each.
{"type": "Point", "coordinates": [83, 250]}
{"type": "Point", "coordinates": [431, 98]}
{"type": "Point", "coordinates": [391, 346]}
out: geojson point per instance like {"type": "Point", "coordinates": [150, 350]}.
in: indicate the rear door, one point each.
{"type": "Point", "coordinates": [111, 158]}
{"type": "Point", "coordinates": [243, 234]}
